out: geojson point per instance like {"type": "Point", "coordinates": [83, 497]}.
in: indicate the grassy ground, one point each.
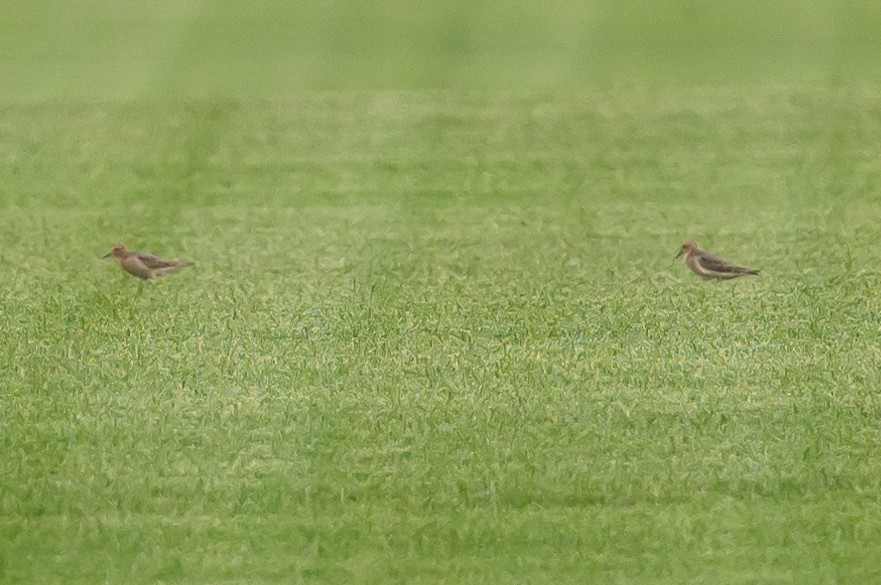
{"type": "Point", "coordinates": [437, 335]}
{"type": "Point", "coordinates": [440, 337]}
{"type": "Point", "coordinates": [130, 48]}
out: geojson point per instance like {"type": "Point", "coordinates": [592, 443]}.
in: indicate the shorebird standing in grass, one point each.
{"type": "Point", "coordinates": [145, 266]}
{"type": "Point", "coordinates": [710, 266]}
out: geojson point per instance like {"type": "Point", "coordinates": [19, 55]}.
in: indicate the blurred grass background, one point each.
{"type": "Point", "coordinates": [125, 49]}
{"type": "Point", "coordinates": [439, 336]}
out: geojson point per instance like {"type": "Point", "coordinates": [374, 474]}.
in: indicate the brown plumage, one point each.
{"type": "Point", "coordinates": [145, 266]}
{"type": "Point", "coordinates": [708, 266]}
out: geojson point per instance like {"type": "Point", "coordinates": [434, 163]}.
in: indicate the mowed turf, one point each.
{"type": "Point", "coordinates": [127, 49]}
{"type": "Point", "coordinates": [441, 337]}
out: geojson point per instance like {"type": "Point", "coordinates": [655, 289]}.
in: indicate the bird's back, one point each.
{"type": "Point", "coordinates": [151, 261]}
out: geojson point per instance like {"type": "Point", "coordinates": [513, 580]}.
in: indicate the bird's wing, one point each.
{"type": "Point", "coordinates": [715, 264]}
{"type": "Point", "coordinates": [151, 261]}
{"type": "Point", "coordinates": [712, 263]}
{"type": "Point", "coordinates": [134, 266]}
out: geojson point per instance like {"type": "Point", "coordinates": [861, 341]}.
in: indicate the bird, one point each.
{"type": "Point", "coordinates": [710, 266]}
{"type": "Point", "coordinates": [144, 266]}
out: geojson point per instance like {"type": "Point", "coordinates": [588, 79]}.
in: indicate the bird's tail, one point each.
{"type": "Point", "coordinates": [169, 269]}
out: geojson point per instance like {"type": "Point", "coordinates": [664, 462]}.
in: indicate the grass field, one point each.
{"type": "Point", "coordinates": [435, 337]}
{"type": "Point", "coordinates": [129, 48]}
{"type": "Point", "coordinates": [438, 335]}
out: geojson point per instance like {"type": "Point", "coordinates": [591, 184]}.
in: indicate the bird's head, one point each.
{"type": "Point", "coordinates": [118, 250]}
{"type": "Point", "coordinates": [687, 248]}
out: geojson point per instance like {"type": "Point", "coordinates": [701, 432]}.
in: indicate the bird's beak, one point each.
{"type": "Point", "coordinates": [677, 255]}
{"type": "Point", "coordinates": [107, 255]}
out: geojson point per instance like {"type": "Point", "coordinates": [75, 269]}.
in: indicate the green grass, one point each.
{"type": "Point", "coordinates": [441, 337]}
{"type": "Point", "coordinates": [434, 332]}
{"type": "Point", "coordinates": [129, 48]}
